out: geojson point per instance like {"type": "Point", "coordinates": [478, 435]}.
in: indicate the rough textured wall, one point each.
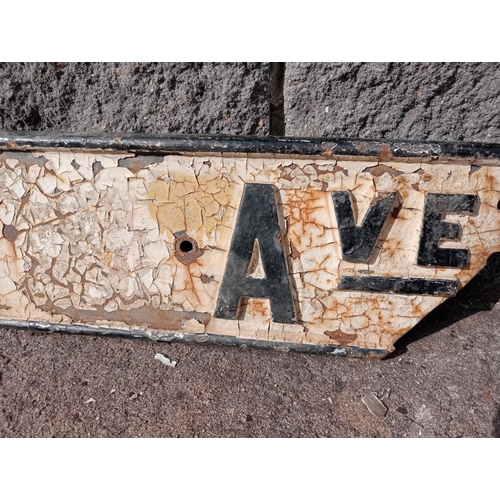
{"type": "Point", "coordinates": [434, 101]}
{"type": "Point", "coordinates": [184, 98]}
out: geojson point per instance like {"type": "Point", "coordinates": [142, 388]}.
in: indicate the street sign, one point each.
{"type": "Point", "coordinates": [320, 245]}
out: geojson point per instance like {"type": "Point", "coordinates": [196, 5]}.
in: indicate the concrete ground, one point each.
{"type": "Point", "coordinates": [441, 380]}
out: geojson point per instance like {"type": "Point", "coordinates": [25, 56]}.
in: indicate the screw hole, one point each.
{"type": "Point", "coordinates": [187, 250]}
{"type": "Point", "coordinates": [186, 246]}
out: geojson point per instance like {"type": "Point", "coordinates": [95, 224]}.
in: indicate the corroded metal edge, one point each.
{"type": "Point", "coordinates": [323, 147]}
{"type": "Point", "coordinates": [193, 338]}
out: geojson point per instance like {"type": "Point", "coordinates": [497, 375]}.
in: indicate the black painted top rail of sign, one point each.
{"type": "Point", "coordinates": [326, 147]}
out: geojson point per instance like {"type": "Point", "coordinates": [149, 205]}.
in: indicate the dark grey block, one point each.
{"type": "Point", "coordinates": [434, 101]}
{"type": "Point", "coordinates": [218, 98]}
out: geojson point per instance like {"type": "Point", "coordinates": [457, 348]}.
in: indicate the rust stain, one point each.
{"type": "Point", "coordinates": [253, 307]}
{"type": "Point", "coordinates": [107, 258]}
{"type": "Point", "coordinates": [187, 249]}
{"type": "Point", "coordinates": [317, 168]}
{"type": "Point", "coordinates": [143, 317]}
{"type": "Point", "coordinates": [295, 254]}
{"type": "Point", "coordinates": [362, 146]}
{"type": "Point", "coordinates": [287, 176]}
{"type": "Point", "coordinates": [424, 176]}
{"type": "Point", "coordinates": [385, 150]}
{"type": "Point", "coordinates": [342, 337]}
{"type": "Point", "coordinates": [206, 279]}
{"type": "Point", "coordinates": [381, 169]}
{"type": "Point", "coordinates": [12, 145]}
{"type": "Point", "coordinates": [336, 169]}
{"type": "Point", "coordinates": [327, 152]}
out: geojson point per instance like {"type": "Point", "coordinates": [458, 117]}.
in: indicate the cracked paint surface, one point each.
{"type": "Point", "coordinates": [96, 239]}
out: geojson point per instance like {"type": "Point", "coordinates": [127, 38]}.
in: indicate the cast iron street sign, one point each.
{"type": "Point", "coordinates": [311, 244]}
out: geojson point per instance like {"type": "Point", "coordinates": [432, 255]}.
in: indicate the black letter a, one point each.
{"type": "Point", "coordinates": [257, 220]}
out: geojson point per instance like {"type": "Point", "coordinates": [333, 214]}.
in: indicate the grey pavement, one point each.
{"type": "Point", "coordinates": [440, 382]}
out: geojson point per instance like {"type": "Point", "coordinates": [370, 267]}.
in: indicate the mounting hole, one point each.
{"type": "Point", "coordinates": [186, 246]}
{"type": "Point", "coordinates": [187, 249]}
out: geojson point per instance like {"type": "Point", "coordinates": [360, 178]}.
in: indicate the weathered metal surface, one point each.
{"type": "Point", "coordinates": [335, 246]}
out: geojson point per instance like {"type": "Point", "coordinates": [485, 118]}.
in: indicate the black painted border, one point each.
{"type": "Point", "coordinates": [392, 284]}
{"type": "Point", "coordinates": [196, 338]}
{"type": "Point", "coordinates": [326, 147]}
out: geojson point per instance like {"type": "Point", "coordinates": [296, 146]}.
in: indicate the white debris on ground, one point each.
{"type": "Point", "coordinates": [384, 394]}
{"type": "Point", "coordinates": [165, 361]}
{"type": "Point", "coordinates": [374, 405]}
{"type": "Point", "coordinates": [91, 400]}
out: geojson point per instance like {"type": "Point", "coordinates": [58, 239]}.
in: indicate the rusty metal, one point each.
{"type": "Point", "coordinates": [187, 249]}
